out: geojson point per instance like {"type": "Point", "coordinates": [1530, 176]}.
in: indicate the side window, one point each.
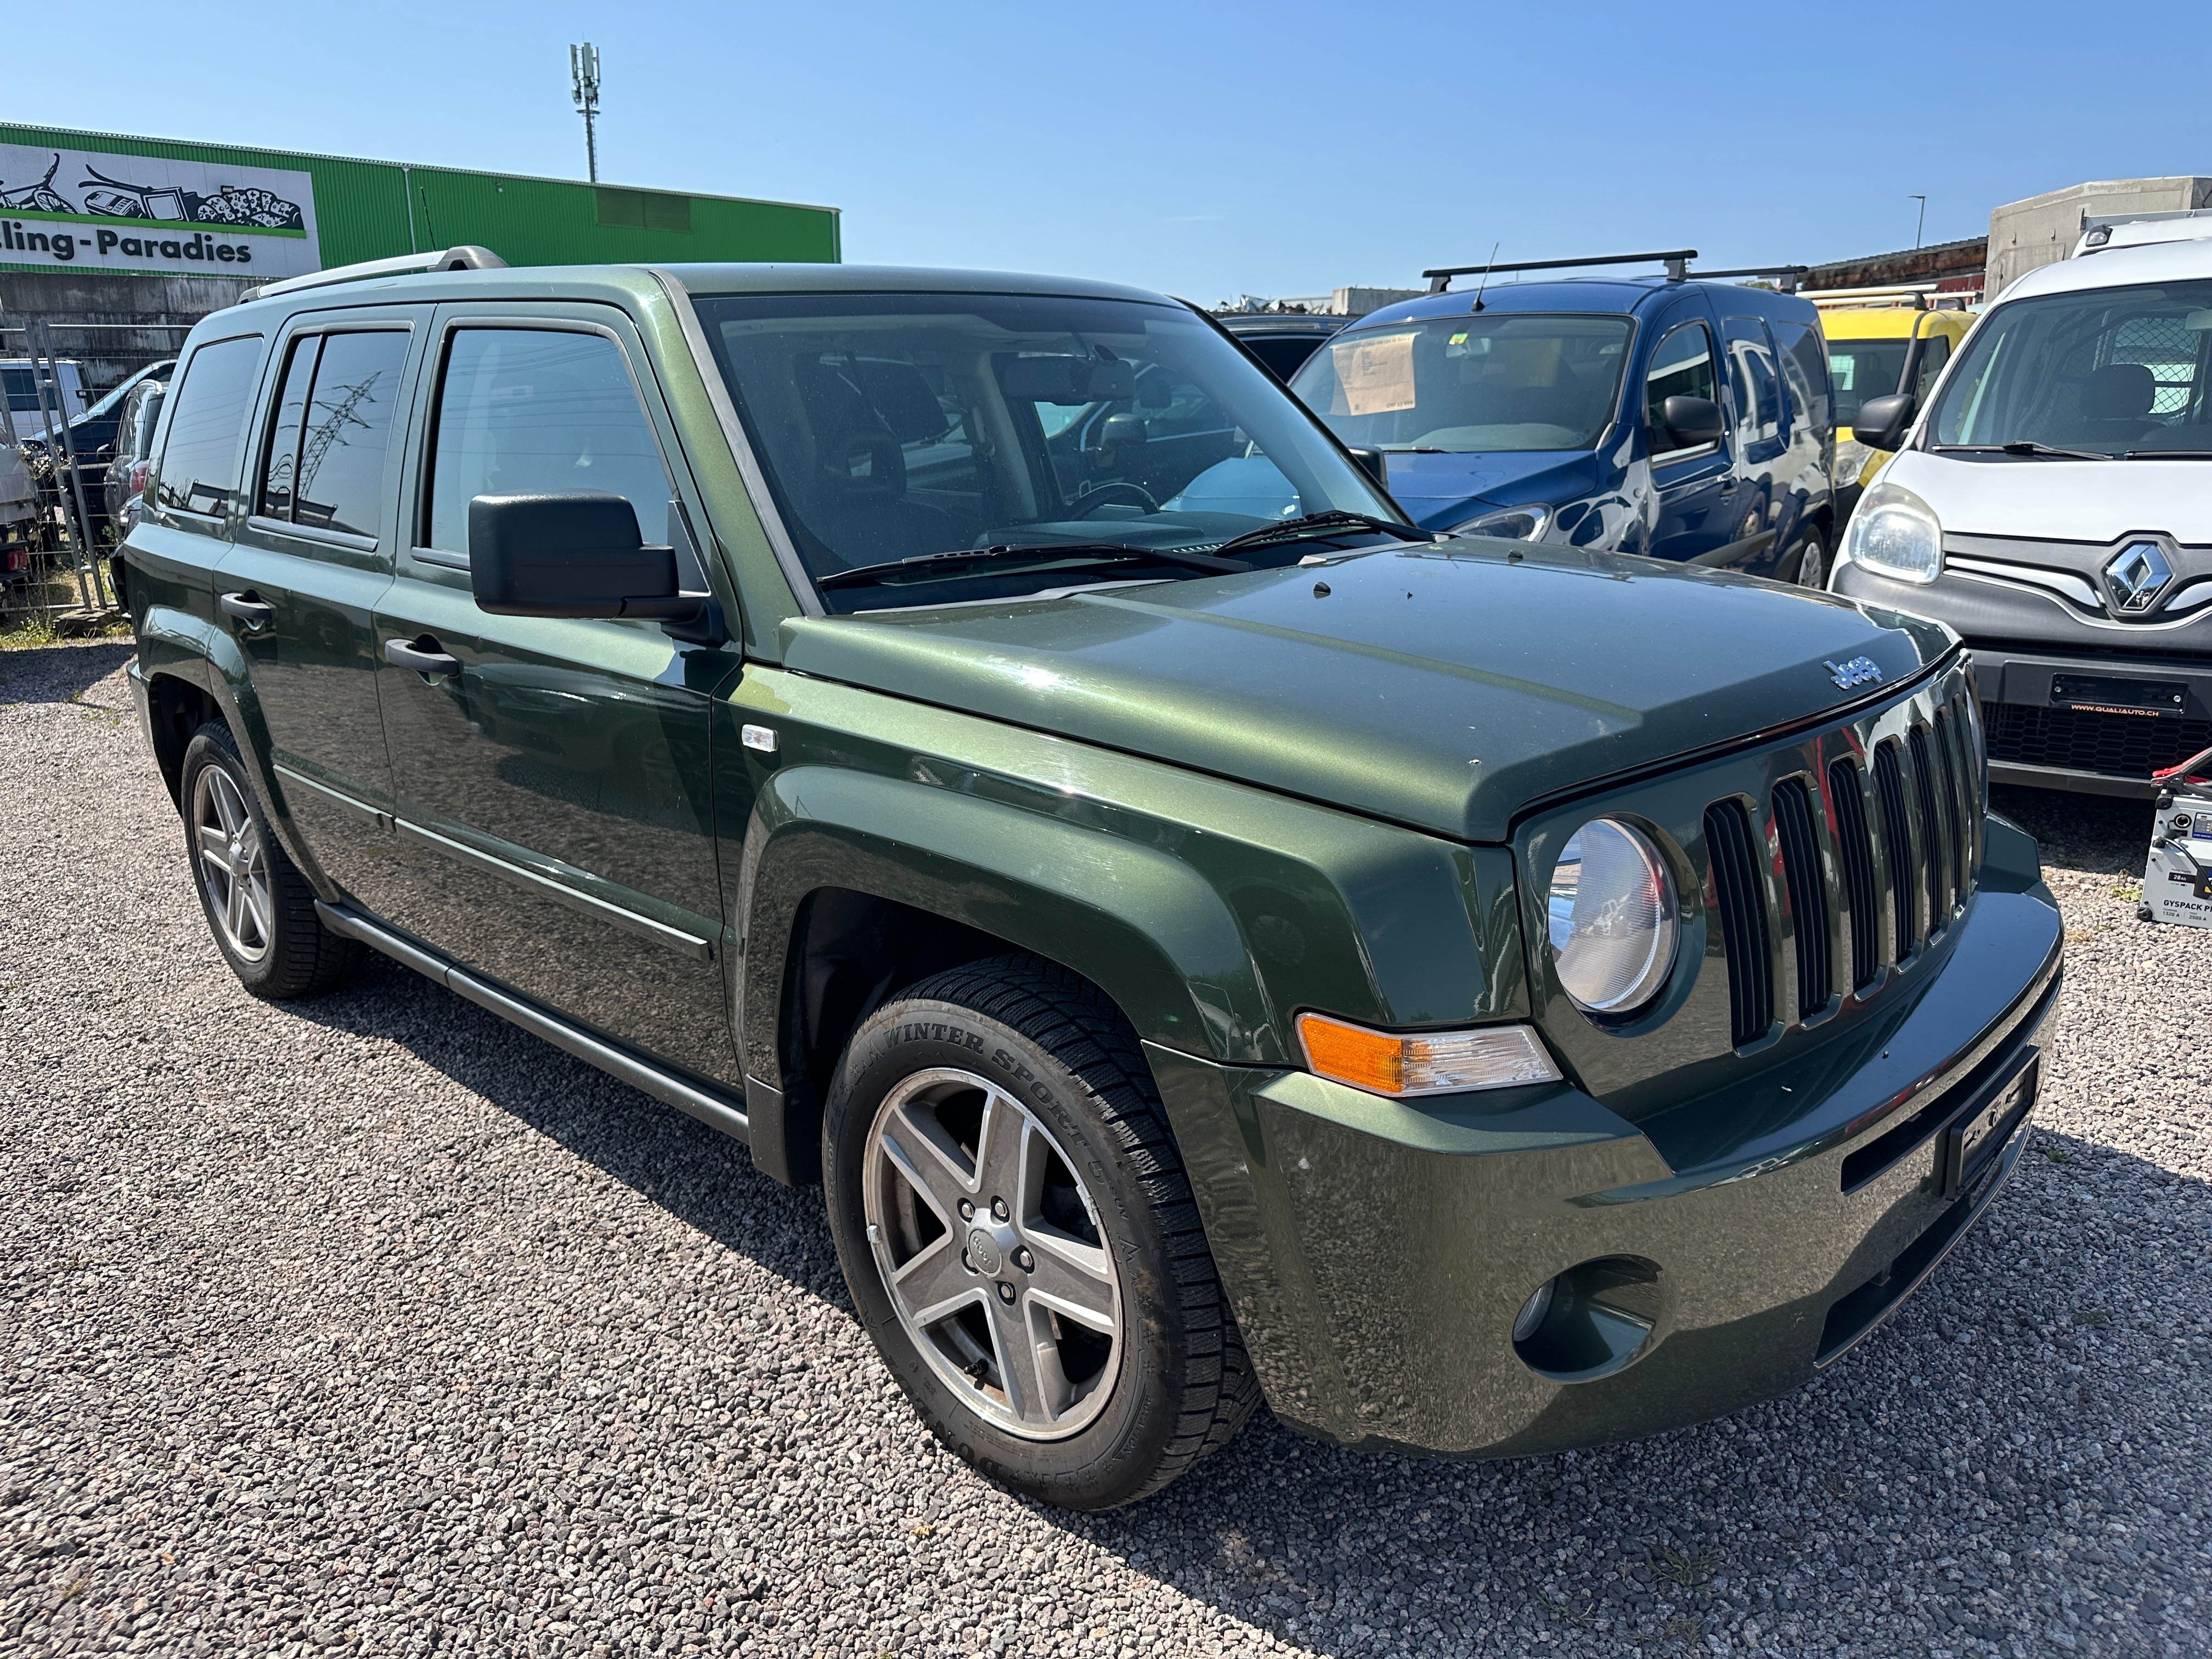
{"type": "Point", "coordinates": [1758, 388]}
{"type": "Point", "coordinates": [1681, 367]}
{"type": "Point", "coordinates": [331, 430]}
{"type": "Point", "coordinates": [1805, 371]}
{"type": "Point", "coordinates": [523, 410]}
{"type": "Point", "coordinates": [282, 458]}
{"type": "Point", "coordinates": [1935, 352]}
{"type": "Point", "coordinates": [200, 457]}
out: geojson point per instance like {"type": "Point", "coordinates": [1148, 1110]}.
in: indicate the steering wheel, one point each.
{"type": "Point", "coordinates": [1091, 500]}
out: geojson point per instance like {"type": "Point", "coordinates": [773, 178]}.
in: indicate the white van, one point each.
{"type": "Point", "coordinates": [2052, 503]}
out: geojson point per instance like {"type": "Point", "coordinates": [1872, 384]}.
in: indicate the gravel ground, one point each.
{"type": "Point", "coordinates": [372, 1323]}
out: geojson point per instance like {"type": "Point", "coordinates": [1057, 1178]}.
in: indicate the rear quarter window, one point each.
{"type": "Point", "coordinates": [200, 455]}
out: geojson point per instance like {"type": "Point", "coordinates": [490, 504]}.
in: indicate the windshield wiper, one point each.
{"type": "Point", "coordinates": [1313, 525]}
{"type": "Point", "coordinates": [953, 563]}
{"type": "Point", "coordinates": [2026, 446]}
{"type": "Point", "coordinates": [2167, 455]}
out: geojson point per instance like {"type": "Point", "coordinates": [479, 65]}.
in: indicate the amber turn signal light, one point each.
{"type": "Point", "coordinates": [1425, 1062]}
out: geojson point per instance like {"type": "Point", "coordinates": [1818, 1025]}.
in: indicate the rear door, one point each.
{"type": "Point", "coordinates": [298, 589]}
{"type": "Point", "coordinates": [1762, 447]}
{"type": "Point", "coordinates": [554, 792]}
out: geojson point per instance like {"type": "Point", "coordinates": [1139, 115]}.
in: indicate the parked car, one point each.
{"type": "Point", "coordinates": [1679, 419]}
{"type": "Point", "coordinates": [127, 457]}
{"type": "Point", "coordinates": [2052, 503]}
{"type": "Point", "coordinates": [1281, 339]}
{"type": "Point", "coordinates": [22, 393]}
{"type": "Point", "coordinates": [1880, 342]}
{"type": "Point", "coordinates": [1484, 996]}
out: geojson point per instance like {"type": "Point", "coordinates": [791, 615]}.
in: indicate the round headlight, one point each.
{"type": "Point", "coordinates": [1612, 918]}
{"type": "Point", "coordinates": [1894, 531]}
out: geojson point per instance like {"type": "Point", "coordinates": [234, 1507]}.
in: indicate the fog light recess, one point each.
{"type": "Point", "coordinates": [1590, 1320]}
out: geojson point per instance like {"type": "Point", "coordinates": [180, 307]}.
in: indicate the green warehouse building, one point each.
{"type": "Point", "coordinates": [118, 243]}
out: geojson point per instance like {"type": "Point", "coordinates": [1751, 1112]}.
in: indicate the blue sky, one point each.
{"type": "Point", "coordinates": [1206, 150]}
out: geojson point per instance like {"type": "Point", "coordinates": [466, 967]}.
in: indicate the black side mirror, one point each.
{"type": "Point", "coordinates": [570, 553]}
{"type": "Point", "coordinates": [1374, 465]}
{"type": "Point", "coordinates": [1883, 422]}
{"type": "Point", "coordinates": [1691, 422]}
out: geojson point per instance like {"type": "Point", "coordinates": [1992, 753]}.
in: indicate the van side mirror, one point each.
{"type": "Point", "coordinates": [570, 553]}
{"type": "Point", "coordinates": [1691, 422]}
{"type": "Point", "coordinates": [1374, 465]}
{"type": "Point", "coordinates": [1883, 422]}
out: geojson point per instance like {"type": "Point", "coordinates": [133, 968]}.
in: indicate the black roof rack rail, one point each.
{"type": "Point", "coordinates": [1788, 274]}
{"type": "Point", "coordinates": [1677, 263]}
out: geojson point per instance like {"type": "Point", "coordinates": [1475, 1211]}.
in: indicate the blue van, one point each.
{"type": "Point", "coordinates": [1681, 418]}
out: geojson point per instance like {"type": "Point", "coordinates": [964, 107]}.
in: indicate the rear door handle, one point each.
{"type": "Point", "coordinates": [422, 655]}
{"type": "Point", "coordinates": [248, 610]}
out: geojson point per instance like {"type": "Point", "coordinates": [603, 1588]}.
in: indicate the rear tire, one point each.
{"type": "Point", "coordinates": [1812, 569]}
{"type": "Point", "coordinates": [257, 905]}
{"type": "Point", "coordinates": [1071, 1340]}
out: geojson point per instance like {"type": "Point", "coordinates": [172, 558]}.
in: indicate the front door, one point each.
{"type": "Point", "coordinates": [554, 792]}
{"type": "Point", "coordinates": [300, 586]}
{"type": "Point", "coordinates": [1691, 514]}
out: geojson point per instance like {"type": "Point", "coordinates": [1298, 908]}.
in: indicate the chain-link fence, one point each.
{"type": "Point", "coordinates": [63, 389]}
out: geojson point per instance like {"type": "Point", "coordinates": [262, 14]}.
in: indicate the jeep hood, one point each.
{"type": "Point", "coordinates": [1441, 688]}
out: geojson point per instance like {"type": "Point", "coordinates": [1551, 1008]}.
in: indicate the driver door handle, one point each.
{"type": "Point", "coordinates": [249, 608]}
{"type": "Point", "coordinates": [422, 655]}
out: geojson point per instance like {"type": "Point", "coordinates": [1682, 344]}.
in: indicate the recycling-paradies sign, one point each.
{"type": "Point", "coordinates": [90, 209]}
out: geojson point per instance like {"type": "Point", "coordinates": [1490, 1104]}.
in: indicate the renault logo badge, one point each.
{"type": "Point", "coordinates": [1859, 671]}
{"type": "Point", "coordinates": [2136, 577]}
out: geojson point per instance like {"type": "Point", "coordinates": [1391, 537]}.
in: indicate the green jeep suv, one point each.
{"type": "Point", "coordinates": [979, 741]}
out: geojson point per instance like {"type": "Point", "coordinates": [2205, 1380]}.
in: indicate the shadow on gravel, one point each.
{"type": "Point", "coordinates": [1957, 1479]}
{"type": "Point", "coordinates": [59, 673]}
{"type": "Point", "coordinates": [2105, 833]}
{"type": "Point", "coordinates": [700, 1176]}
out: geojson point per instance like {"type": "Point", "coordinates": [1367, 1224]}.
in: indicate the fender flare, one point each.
{"type": "Point", "coordinates": [1137, 922]}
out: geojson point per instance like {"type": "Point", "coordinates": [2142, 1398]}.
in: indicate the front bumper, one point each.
{"type": "Point", "coordinates": [1375, 1252]}
{"type": "Point", "coordinates": [2037, 731]}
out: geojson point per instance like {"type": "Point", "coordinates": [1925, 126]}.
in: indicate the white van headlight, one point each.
{"type": "Point", "coordinates": [1894, 531]}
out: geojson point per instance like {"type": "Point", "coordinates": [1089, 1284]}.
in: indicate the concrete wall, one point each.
{"type": "Point", "coordinates": [135, 321]}
{"type": "Point", "coordinates": [2043, 228]}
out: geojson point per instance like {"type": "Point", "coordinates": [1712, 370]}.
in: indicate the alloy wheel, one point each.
{"type": "Point", "coordinates": [994, 1254]}
{"type": "Point", "coordinates": [234, 865]}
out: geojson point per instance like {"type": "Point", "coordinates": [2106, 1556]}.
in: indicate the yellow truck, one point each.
{"type": "Point", "coordinates": [1880, 341]}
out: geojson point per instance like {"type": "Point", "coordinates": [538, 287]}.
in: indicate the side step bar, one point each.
{"type": "Point", "coordinates": [711, 1110]}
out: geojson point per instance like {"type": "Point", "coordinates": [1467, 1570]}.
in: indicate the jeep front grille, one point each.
{"type": "Point", "coordinates": [1742, 910]}
{"type": "Point", "coordinates": [1869, 862]}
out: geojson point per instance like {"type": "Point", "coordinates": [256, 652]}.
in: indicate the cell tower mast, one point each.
{"type": "Point", "coordinates": [584, 79]}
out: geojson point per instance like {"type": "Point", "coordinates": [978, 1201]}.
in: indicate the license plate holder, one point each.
{"type": "Point", "coordinates": [2098, 693]}
{"type": "Point", "coordinates": [1973, 1142]}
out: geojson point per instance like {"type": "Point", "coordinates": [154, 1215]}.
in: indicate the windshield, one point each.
{"type": "Point", "coordinates": [1863, 369]}
{"type": "Point", "coordinates": [2115, 370]}
{"type": "Point", "coordinates": [1470, 385]}
{"type": "Point", "coordinates": [897, 427]}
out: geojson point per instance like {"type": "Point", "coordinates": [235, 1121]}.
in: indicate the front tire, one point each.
{"type": "Point", "coordinates": [1020, 1240]}
{"type": "Point", "coordinates": [258, 905]}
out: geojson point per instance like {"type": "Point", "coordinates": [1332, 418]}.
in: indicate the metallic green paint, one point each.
{"type": "Point", "coordinates": [1443, 688]}
{"type": "Point", "coordinates": [1365, 1242]}
{"type": "Point", "coordinates": [1210, 911]}
{"type": "Point", "coordinates": [1224, 800]}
